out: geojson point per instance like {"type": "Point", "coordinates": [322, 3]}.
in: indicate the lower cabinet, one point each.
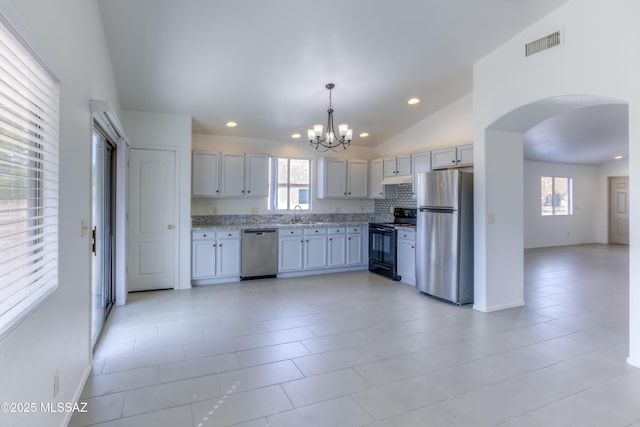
{"type": "Point", "coordinates": [215, 254]}
{"type": "Point", "coordinates": [406, 255]}
{"type": "Point", "coordinates": [355, 249]}
{"type": "Point", "coordinates": [337, 242]}
{"type": "Point", "coordinates": [316, 248]}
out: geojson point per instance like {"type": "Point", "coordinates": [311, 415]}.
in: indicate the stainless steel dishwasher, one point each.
{"type": "Point", "coordinates": [259, 253]}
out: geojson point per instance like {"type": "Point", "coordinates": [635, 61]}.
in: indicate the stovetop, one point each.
{"type": "Point", "coordinates": [402, 217]}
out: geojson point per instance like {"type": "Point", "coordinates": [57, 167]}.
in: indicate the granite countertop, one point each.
{"type": "Point", "coordinates": [279, 225]}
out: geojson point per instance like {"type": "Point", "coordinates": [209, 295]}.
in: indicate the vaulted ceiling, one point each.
{"type": "Point", "coordinates": [264, 64]}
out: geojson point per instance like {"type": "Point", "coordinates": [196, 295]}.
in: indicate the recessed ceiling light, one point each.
{"type": "Point", "coordinates": [617, 157]}
{"type": "Point", "coordinates": [231, 124]}
{"type": "Point", "coordinates": [413, 101]}
{"type": "Point", "coordinates": [296, 136]}
{"type": "Point", "coordinates": [364, 135]}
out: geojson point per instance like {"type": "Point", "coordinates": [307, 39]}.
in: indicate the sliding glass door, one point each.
{"type": "Point", "coordinates": [103, 231]}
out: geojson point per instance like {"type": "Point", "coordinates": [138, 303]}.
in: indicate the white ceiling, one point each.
{"type": "Point", "coordinates": [264, 64]}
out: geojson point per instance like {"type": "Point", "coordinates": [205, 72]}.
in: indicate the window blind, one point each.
{"type": "Point", "coordinates": [29, 128]}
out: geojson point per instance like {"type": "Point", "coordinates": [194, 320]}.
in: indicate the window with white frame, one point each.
{"type": "Point", "coordinates": [29, 120]}
{"type": "Point", "coordinates": [290, 184]}
{"type": "Point", "coordinates": [556, 195]}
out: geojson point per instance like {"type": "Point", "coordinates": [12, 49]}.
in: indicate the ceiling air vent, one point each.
{"type": "Point", "coordinates": [541, 44]}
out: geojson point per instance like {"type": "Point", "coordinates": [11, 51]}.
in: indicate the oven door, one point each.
{"type": "Point", "coordinates": [382, 245]}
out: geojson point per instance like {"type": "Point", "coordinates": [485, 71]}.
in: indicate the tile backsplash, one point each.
{"type": "Point", "coordinates": [404, 200]}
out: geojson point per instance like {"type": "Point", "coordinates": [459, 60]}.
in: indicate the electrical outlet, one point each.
{"type": "Point", "coordinates": [391, 209]}
{"type": "Point", "coordinates": [56, 383]}
{"type": "Point", "coordinates": [491, 218]}
{"type": "Point", "coordinates": [361, 208]}
{"type": "Point", "coordinates": [214, 210]}
{"type": "Point", "coordinates": [338, 210]}
{"type": "Point", "coordinates": [254, 210]}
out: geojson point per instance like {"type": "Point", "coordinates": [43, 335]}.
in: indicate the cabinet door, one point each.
{"type": "Point", "coordinates": [354, 248]}
{"type": "Point", "coordinates": [256, 175]}
{"type": "Point", "coordinates": [205, 174]}
{"type": "Point", "coordinates": [390, 169]}
{"type": "Point", "coordinates": [403, 165]}
{"type": "Point", "coordinates": [336, 250]}
{"type": "Point", "coordinates": [228, 258]}
{"type": "Point", "coordinates": [421, 163]}
{"type": "Point", "coordinates": [315, 251]}
{"type": "Point", "coordinates": [357, 179]}
{"type": "Point", "coordinates": [465, 155]}
{"type": "Point", "coordinates": [290, 254]}
{"type": "Point", "coordinates": [407, 260]}
{"type": "Point", "coordinates": [335, 178]}
{"type": "Point", "coordinates": [375, 176]}
{"type": "Point", "coordinates": [232, 175]}
{"type": "Point", "coordinates": [444, 158]}
{"type": "Point", "coordinates": [203, 259]}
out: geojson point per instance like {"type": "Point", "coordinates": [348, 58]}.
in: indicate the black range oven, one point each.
{"type": "Point", "coordinates": [382, 242]}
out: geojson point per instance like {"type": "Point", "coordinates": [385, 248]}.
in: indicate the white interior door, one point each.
{"type": "Point", "coordinates": [152, 220]}
{"type": "Point", "coordinates": [619, 210]}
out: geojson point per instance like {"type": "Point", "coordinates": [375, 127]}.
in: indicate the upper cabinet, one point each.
{"type": "Point", "coordinates": [452, 157]}
{"type": "Point", "coordinates": [230, 175]}
{"type": "Point", "coordinates": [205, 177]}
{"type": "Point", "coordinates": [397, 166]}
{"type": "Point", "coordinates": [421, 162]}
{"type": "Point", "coordinates": [340, 178]}
{"type": "Point", "coordinates": [376, 190]}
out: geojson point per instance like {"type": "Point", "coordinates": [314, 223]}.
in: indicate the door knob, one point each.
{"type": "Point", "coordinates": [170, 227]}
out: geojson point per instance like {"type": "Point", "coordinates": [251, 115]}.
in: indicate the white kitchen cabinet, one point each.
{"type": "Point", "coordinates": [290, 246]}
{"type": "Point", "coordinates": [421, 162]}
{"type": "Point", "coordinates": [301, 249]}
{"type": "Point", "coordinates": [340, 178]}
{"type": "Point", "coordinates": [452, 157]}
{"type": "Point", "coordinates": [336, 246]}
{"type": "Point", "coordinates": [205, 174]}
{"type": "Point", "coordinates": [375, 189]}
{"type": "Point", "coordinates": [215, 254]}
{"type": "Point", "coordinates": [228, 253]}
{"type": "Point", "coordinates": [355, 249]}
{"type": "Point", "coordinates": [357, 179]}
{"type": "Point", "coordinates": [397, 166]}
{"type": "Point", "coordinates": [256, 175]}
{"type": "Point", "coordinates": [406, 254]}
{"type": "Point", "coordinates": [315, 247]}
{"type": "Point", "coordinates": [244, 175]}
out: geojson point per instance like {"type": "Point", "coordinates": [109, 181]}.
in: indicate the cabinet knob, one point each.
{"type": "Point", "coordinates": [217, 191]}
{"type": "Point", "coordinates": [170, 227]}
{"type": "Point", "coordinates": [330, 239]}
{"type": "Point", "coordinates": [248, 191]}
{"type": "Point", "coordinates": [220, 245]}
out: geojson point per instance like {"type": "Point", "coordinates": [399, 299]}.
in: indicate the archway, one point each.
{"type": "Point", "coordinates": [499, 221]}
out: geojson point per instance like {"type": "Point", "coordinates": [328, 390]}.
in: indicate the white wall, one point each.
{"type": "Point", "coordinates": [68, 35]}
{"type": "Point", "coordinates": [300, 149]}
{"type": "Point", "coordinates": [541, 231]}
{"type": "Point", "coordinates": [598, 57]}
{"type": "Point", "coordinates": [448, 127]}
{"type": "Point", "coordinates": [173, 132]}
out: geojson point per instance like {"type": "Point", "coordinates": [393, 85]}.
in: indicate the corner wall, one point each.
{"type": "Point", "coordinates": [150, 130]}
{"type": "Point", "coordinates": [584, 64]}
{"type": "Point", "coordinates": [68, 36]}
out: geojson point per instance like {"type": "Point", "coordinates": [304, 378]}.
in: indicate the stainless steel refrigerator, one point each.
{"type": "Point", "coordinates": [444, 236]}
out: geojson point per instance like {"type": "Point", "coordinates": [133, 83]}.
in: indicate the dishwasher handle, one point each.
{"type": "Point", "coordinates": [259, 232]}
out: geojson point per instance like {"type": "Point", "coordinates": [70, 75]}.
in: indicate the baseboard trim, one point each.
{"type": "Point", "coordinates": [486, 309]}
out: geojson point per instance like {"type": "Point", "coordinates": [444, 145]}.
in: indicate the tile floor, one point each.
{"type": "Point", "coordinates": [356, 349]}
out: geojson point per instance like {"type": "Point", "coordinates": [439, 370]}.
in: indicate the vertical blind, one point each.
{"type": "Point", "coordinates": [29, 121]}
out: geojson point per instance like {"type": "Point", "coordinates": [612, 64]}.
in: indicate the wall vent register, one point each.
{"type": "Point", "coordinates": [543, 43]}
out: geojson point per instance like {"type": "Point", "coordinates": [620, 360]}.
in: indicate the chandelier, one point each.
{"type": "Point", "coordinates": [328, 140]}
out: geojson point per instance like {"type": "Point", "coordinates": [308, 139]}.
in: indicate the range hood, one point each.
{"type": "Point", "coordinates": [392, 180]}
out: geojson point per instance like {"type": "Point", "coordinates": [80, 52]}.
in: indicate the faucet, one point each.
{"type": "Point", "coordinates": [295, 219]}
